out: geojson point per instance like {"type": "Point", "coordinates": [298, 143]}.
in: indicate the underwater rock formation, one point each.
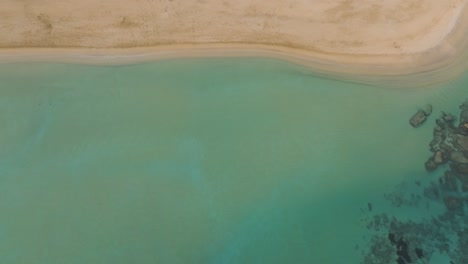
{"type": "Point", "coordinates": [450, 142]}
{"type": "Point", "coordinates": [398, 241]}
{"type": "Point", "coordinates": [450, 146]}
{"type": "Point", "coordinates": [407, 241]}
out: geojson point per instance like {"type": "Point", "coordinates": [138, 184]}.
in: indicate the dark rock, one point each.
{"type": "Point", "coordinates": [419, 253]}
{"type": "Point", "coordinates": [421, 116]}
{"type": "Point", "coordinates": [451, 127]}
{"type": "Point", "coordinates": [440, 122]}
{"type": "Point", "coordinates": [458, 157]}
{"type": "Point", "coordinates": [437, 159]}
{"type": "Point", "coordinates": [439, 135]}
{"type": "Point", "coordinates": [453, 203]}
{"type": "Point", "coordinates": [450, 182]}
{"type": "Point", "coordinates": [462, 175]}
{"type": "Point", "coordinates": [432, 192]}
{"type": "Point", "coordinates": [369, 206]}
{"type": "Point", "coordinates": [380, 251]}
{"type": "Point", "coordinates": [402, 251]}
{"type": "Point", "coordinates": [430, 164]}
{"type": "Point", "coordinates": [462, 143]}
{"type": "Point", "coordinates": [418, 118]}
{"type": "Point", "coordinates": [448, 117]}
{"type": "Point", "coordinates": [443, 137]}
{"type": "Point", "coordinates": [460, 168]}
{"type": "Point", "coordinates": [446, 148]}
{"type": "Point", "coordinates": [433, 145]}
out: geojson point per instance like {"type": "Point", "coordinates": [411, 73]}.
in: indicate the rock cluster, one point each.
{"type": "Point", "coordinates": [450, 142]}
{"type": "Point", "coordinates": [450, 146]}
{"type": "Point", "coordinates": [405, 241]}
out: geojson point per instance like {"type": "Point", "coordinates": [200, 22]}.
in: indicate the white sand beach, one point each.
{"type": "Point", "coordinates": [370, 37]}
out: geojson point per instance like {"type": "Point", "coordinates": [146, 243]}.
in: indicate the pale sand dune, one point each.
{"type": "Point", "coordinates": [384, 37]}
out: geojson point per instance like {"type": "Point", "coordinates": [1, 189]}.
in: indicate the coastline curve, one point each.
{"type": "Point", "coordinates": [442, 63]}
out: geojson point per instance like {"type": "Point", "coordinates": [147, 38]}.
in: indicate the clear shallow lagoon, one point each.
{"type": "Point", "coordinates": [203, 161]}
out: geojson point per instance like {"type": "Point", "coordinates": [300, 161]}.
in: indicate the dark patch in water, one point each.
{"type": "Point", "coordinates": [407, 241]}
{"type": "Point", "coordinates": [419, 253]}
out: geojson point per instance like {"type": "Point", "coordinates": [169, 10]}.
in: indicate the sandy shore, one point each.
{"type": "Point", "coordinates": [367, 37]}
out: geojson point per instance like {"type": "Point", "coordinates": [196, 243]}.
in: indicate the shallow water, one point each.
{"type": "Point", "coordinates": [203, 161]}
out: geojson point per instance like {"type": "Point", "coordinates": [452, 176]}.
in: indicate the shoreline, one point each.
{"type": "Point", "coordinates": [442, 63]}
{"type": "Point", "coordinates": [407, 71]}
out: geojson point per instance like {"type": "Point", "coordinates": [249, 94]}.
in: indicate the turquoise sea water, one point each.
{"type": "Point", "coordinates": [203, 161]}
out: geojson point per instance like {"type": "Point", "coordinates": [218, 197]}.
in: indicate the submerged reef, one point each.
{"type": "Point", "coordinates": [403, 241]}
